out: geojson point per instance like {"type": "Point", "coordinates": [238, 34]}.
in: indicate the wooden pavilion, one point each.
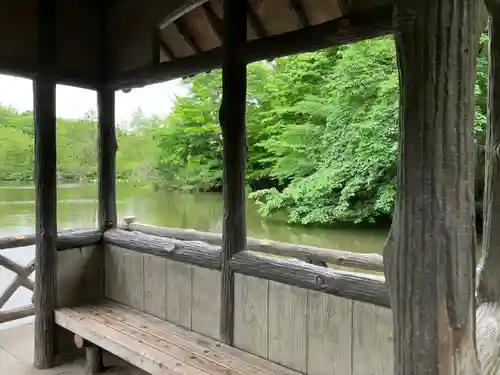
{"type": "Point", "coordinates": [110, 45]}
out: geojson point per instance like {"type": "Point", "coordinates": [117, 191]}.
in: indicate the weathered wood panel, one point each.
{"type": "Point", "coordinates": [288, 325]}
{"type": "Point", "coordinates": [329, 333]}
{"type": "Point", "coordinates": [179, 293]}
{"type": "Point", "coordinates": [372, 340]}
{"type": "Point", "coordinates": [205, 308]}
{"type": "Point", "coordinates": [373, 262]}
{"type": "Point", "coordinates": [133, 279]}
{"type": "Point", "coordinates": [155, 286]}
{"type": "Point", "coordinates": [79, 276]}
{"type": "Point", "coordinates": [113, 274]}
{"type": "Point", "coordinates": [251, 305]}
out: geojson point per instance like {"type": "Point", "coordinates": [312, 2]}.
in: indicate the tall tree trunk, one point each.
{"type": "Point", "coordinates": [488, 291]}
{"type": "Point", "coordinates": [430, 252]}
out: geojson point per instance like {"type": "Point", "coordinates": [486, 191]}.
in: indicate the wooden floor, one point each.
{"type": "Point", "coordinates": [16, 357]}
{"type": "Point", "coordinates": [157, 346]}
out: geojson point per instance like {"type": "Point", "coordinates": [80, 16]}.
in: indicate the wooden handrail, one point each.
{"type": "Point", "coordinates": [68, 239]}
{"type": "Point", "coordinates": [310, 254]}
{"type": "Point", "coordinates": [356, 286]}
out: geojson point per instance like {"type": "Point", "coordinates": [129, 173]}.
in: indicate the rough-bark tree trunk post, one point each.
{"type": "Point", "coordinates": [107, 131]}
{"type": "Point", "coordinates": [232, 119]}
{"type": "Point", "coordinates": [44, 88]}
{"type": "Point", "coordinates": [106, 162]}
{"type": "Point", "coordinates": [430, 252]}
{"type": "Point", "coordinates": [488, 291]}
{"type": "Point", "coordinates": [106, 159]}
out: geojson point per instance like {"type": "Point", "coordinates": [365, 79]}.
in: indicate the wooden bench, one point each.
{"type": "Point", "coordinates": [157, 346]}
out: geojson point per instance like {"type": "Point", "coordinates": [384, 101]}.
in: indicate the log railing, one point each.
{"type": "Point", "coordinates": [66, 240]}
{"type": "Point", "coordinates": [197, 251]}
{"type": "Point", "coordinates": [309, 254]}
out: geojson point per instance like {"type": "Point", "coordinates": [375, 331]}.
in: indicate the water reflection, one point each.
{"type": "Point", "coordinates": [77, 208]}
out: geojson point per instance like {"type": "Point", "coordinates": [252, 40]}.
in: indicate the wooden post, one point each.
{"type": "Point", "coordinates": [430, 252]}
{"type": "Point", "coordinates": [232, 119]}
{"type": "Point", "coordinates": [488, 291]}
{"type": "Point", "coordinates": [106, 159]}
{"type": "Point", "coordinates": [107, 133]}
{"type": "Point", "coordinates": [44, 90]}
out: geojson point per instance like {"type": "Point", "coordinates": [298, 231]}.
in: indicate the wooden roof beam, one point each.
{"type": "Point", "coordinates": [165, 48]}
{"type": "Point", "coordinates": [188, 38]}
{"type": "Point", "coordinates": [298, 11]}
{"type": "Point", "coordinates": [349, 29]}
{"type": "Point", "coordinates": [254, 21]}
{"type": "Point", "coordinates": [214, 21]}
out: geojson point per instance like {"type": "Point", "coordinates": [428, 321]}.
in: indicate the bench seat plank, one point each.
{"type": "Point", "coordinates": [133, 351]}
{"type": "Point", "coordinates": [246, 363]}
{"type": "Point", "coordinates": [157, 346]}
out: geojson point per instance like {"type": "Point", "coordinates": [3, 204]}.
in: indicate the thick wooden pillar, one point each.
{"type": "Point", "coordinates": [44, 93]}
{"type": "Point", "coordinates": [107, 132]}
{"type": "Point", "coordinates": [430, 252]}
{"type": "Point", "coordinates": [106, 158]}
{"type": "Point", "coordinates": [489, 278]}
{"type": "Point", "coordinates": [232, 119]}
{"type": "Point", "coordinates": [488, 291]}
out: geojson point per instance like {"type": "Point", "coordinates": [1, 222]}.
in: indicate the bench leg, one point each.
{"type": "Point", "coordinates": [94, 359]}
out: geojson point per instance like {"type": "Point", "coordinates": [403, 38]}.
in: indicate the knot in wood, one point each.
{"type": "Point", "coordinates": [327, 282]}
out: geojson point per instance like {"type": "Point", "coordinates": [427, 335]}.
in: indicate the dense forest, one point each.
{"type": "Point", "coordinates": [322, 136]}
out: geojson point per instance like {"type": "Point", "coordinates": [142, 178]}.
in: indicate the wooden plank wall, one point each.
{"type": "Point", "coordinates": [180, 293]}
{"type": "Point", "coordinates": [308, 331]}
{"type": "Point", "coordinates": [79, 276]}
{"type": "Point", "coordinates": [311, 332]}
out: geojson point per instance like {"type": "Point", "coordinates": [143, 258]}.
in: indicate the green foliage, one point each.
{"type": "Point", "coordinates": [76, 147]}
{"type": "Point", "coordinates": [322, 132]}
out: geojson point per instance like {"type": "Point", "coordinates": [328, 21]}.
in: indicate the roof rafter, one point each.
{"type": "Point", "coordinates": [344, 30]}
{"type": "Point", "coordinates": [298, 11]}
{"type": "Point", "coordinates": [188, 38]}
{"type": "Point", "coordinates": [214, 21]}
{"type": "Point", "coordinates": [254, 20]}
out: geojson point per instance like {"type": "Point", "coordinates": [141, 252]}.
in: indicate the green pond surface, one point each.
{"type": "Point", "coordinates": [77, 208]}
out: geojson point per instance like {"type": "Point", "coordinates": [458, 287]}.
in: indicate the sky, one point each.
{"type": "Point", "coordinates": [74, 102]}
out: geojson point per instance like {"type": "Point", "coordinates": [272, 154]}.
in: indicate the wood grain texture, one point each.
{"type": "Point", "coordinates": [155, 286]}
{"type": "Point", "coordinates": [234, 150]}
{"type": "Point", "coordinates": [80, 276]}
{"type": "Point", "coordinates": [348, 29]}
{"type": "Point", "coordinates": [357, 286]}
{"type": "Point", "coordinates": [193, 252]}
{"type": "Point", "coordinates": [430, 253]}
{"type": "Point", "coordinates": [133, 279]}
{"type": "Point", "coordinates": [114, 273]}
{"type": "Point", "coordinates": [329, 334]}
{"type": "Point", "coordinates": [372, 345]}
{"type": "Point", "coordinates": [205, 305]}
{"type": "Point", "coordinates": [288, 326]}
{"type": "Point", "coordinates": [44, 93]}
{"type": "Point", "coordinates": [122, 345]}
{"type": "Point", "coordinates": [371, 262]}
{"type": "Point", "coordinates": [66, 239]}
{"type": "Point", "coordinates": [128, 331]}
{"type": "Point", "coordinates": [251, 304]}
{"type": "Point", "coordinates": [179, 293]}
{"type": "Point", "coordinates": [106, 161]}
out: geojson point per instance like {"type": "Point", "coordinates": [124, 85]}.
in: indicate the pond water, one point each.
{"type": "Point", "coordinates": [77, 208]}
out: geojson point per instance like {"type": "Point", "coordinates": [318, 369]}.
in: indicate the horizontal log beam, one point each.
{"type": "Point", "coordinates": [14, 314]}
{"type": "Point", "coordinates": [193, 252]}
{"type": "Point", "coordinates": [370, 262]}
{"type": "Point", "coordinates": [348, 29]}
{"type": "Point", "coordinates": [359, 287]}
{"type": "Point", "coordinates": [69, 239]}
{"type": "Point", "coordinates": [19, 68]}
